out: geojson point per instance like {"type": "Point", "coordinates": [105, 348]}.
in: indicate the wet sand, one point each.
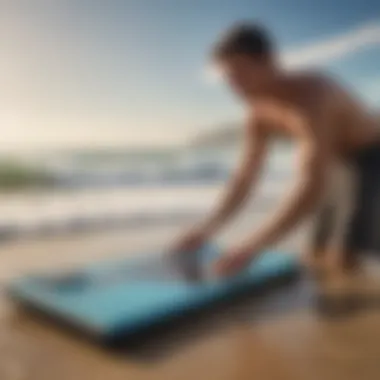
{"type": "Point", "coordinates": [296, 344]}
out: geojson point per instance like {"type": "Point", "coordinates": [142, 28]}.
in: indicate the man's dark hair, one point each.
{"type": "Point", "coordinates": [244, 38]}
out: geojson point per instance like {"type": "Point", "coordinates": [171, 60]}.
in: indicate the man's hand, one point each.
{"type": "Point", "coordinates": [191, 241]}
{"type": "Point", "coordinates": [234, 260]}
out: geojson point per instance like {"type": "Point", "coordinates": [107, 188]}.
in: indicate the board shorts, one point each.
{"type": "Point", "coordinates": [349, 215]}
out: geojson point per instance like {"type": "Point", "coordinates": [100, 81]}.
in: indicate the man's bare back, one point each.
{"type": "Point", "coordinates": [350, 125]}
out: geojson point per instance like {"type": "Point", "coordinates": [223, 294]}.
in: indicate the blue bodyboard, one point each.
{"type": "Point", "coordinates": [115, 299]}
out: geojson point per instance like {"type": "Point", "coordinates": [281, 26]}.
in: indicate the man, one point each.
{"type": "Point", "coordinates": [327, 124]}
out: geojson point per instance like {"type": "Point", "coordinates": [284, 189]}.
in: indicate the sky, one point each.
{"type": "Point", "coordinates": [89, 73]}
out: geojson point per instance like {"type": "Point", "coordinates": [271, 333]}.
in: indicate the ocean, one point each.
{"type": "Point", "coordinates": [132, 189]}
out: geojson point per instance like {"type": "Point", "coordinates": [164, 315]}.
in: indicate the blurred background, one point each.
{"type": "Point", "coordinates": [110, 116]}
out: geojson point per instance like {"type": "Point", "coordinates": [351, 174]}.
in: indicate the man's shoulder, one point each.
{"type": "Point", "coordinates": [315, 80]}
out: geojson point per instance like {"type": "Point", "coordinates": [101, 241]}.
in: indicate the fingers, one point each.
{"type": "Point", "coordinates": [188, 244]}
{"type": "Point", "coordinates": [226, 266]}
{"type": "Point", "coordinates": [230, 265]}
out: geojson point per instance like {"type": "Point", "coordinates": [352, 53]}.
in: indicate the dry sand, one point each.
{"type": "Point", "coordinates": [295, 345]}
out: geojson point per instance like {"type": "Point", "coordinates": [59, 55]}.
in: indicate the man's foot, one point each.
{"type": "Point", "coordinates": [315, 262]}
{"type": "Point", "coordinates": [342, 264]}
{"type": "Point", "coordinates": [232, 262]}
{"type": "Point", "coordinates": [331, 263]}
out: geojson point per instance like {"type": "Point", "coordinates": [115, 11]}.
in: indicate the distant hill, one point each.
{"type": "Point", "coordinates": [225, 135]}
{"type": "Point", "coordinates": [128, 154]}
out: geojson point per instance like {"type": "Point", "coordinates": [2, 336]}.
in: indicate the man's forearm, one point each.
{"type": "Point", "coordinates": [300, 203]}
{"type": "Point", "coordinates": [244, 179]}
{"type": "Point", "coordinates": [230, 204]}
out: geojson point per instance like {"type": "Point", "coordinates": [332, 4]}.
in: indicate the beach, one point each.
{"type": "Point", "coordinates": [22, 342]}
{"type": "Point", "coordinates": [289, 341]}
{"type": "Point", "coordinates": [123, 124]}
{"type": "Point", "coordinates": [294, 345]}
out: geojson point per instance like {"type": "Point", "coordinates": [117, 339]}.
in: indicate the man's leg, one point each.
{"type": "Point", "coordinates": [321, 227]}
{"type": "Point", "coordinates": [327, 246]}
{"type": "Point", "coordinates": [343, 256]}
{"type": "Point", "coordinates": [364, 230]}
{"type": "Point", "coordinates": [320, 234]}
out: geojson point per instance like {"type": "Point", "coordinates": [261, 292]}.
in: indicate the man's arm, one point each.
{"type": "Point", "coordinates": [243, 179]}
{"type": "Point", "coordinates": [314, 154]}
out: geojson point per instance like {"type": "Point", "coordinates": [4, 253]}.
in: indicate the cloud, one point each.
{"type": "Point", "coordinates": [369, 90]}
{"type": "Point", "coordinates": [334, 48]}
{"type": "Point", "coordinates": [324, 51]}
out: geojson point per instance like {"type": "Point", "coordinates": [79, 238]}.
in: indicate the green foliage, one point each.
{"type": "Point", "coordinates": [14, 176]}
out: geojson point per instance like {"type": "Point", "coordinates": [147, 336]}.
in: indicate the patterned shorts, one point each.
{"type": "Point", "coordinates": [349, 216]}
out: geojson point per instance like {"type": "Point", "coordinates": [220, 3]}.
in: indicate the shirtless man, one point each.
{"type": "Point", "coordinates": [326, 123]}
